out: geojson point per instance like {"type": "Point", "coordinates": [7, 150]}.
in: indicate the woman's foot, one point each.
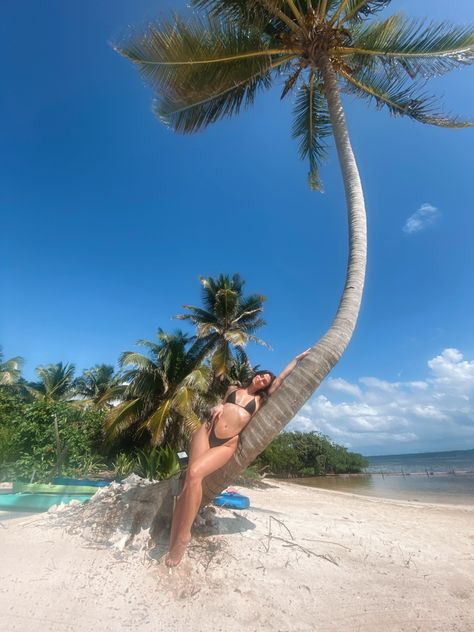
{"type": "Point", "coordinates": [176, 552]}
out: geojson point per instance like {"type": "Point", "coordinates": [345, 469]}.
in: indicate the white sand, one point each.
{"type": "Point", "coordinates": [376, 565]}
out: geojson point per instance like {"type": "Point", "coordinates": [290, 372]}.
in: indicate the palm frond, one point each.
{"type": "Point", "coordinates": [275, 16]}
{"type": "Point", "coordinates": [122, 417]}
{"type": "Point", "coordinates": [138, 359]}
{"type": "Point", "coordinates": [221, 359]}
{"type": "Point", "coordinates": [198, 379]}
{"type": "Point", "coordinates": [197, 315]}
{"type": "Point", "coordinates": [205, 100]}
{"type": "Point", "coordinates": [355, 10]}
{"type": "Point", "coordinates": [259, 341]}
{"type": "Point", "coordinates": [415, 47]}
{"type": "Point", "coordinates": [311, 125]}
{"type": "Point", "coordinates": [236, 337]}
{"type": "Point", "coordinates": [202, 69]}
{"type": "Point", "coordinates": [252, 326]}
{"type": "Point", "coordinates": [401, 99]}
{"type": "Point", "coordinates": [156, 422]}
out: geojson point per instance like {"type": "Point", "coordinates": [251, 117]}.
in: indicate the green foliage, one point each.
{"type": "Point", "coordinates": [251, 472]}
{"type": "Point", "coordinates": [311, 126]}
{"type": "Point", "coordinates": [157, 464]}
{"type": "Point", "coordinates": [296, 454]}
{"type": "Point", "coordinates": [123, 465]}
{"type": "Point", "coordinates": [30, 448]}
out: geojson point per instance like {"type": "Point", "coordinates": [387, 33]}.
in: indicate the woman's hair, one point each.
{"type": "Point", "coordinates": [263, 392]}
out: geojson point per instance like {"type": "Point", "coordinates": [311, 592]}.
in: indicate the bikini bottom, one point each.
{"type": "Point", "coordinates": [215, 441]}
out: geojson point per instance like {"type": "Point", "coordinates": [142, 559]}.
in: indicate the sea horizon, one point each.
{"type": "Point", "coordinates": [446, 461]}
{"type": "Point", "coordinates": [394, 454]}
{"type": "Point", "coordinates": [433, 477]}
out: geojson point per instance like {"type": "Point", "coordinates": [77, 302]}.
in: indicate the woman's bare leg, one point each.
{"type": "Point", "coordinates": [199, 445]}
{"type": "Point", "coordinates": [191, 496]}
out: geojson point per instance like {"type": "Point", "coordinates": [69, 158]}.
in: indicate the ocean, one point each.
{"type": "Point", "coordinates": [432, 477]}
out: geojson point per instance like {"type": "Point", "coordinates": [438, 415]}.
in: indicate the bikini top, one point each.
{"type": "Point", "coordinates": [249, 407]}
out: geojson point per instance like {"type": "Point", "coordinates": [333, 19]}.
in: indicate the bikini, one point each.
{"type": "Point", "coordinates": [250, 407]}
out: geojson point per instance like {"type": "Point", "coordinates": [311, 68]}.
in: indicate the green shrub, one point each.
{"type": "Point", "coordinates": [123, 465]}
{"type": "Point", "coordinates": [30, 439]}
{"type": "Point", "coordinates": [296, 454]}
{"type": "Point", "coordinates": [156, 463]}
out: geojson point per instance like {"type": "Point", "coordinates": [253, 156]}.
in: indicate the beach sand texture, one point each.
{"type": "Point", "coordinates": [334, 561]}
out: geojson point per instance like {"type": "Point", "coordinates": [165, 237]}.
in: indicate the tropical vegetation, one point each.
{"type": "Point", "coordinates": [136, 419]}
{"type": "Point", "coordinates": [298, 454]}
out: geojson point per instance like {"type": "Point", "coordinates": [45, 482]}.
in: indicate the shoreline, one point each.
{"type": "Point", "coordinates": [395, 501]}
{"type": "Point", "coordinates": [300, 558]}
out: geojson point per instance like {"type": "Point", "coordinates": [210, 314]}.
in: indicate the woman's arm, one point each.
{"type": "Point", "coordinates": [286, 371]}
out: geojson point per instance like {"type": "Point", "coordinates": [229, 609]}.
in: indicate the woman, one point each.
{"type": "Point", "coordinates": [214, 444]}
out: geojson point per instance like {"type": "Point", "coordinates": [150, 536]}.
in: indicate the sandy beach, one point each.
{"type": "Point", "coordinates": [298, 559]}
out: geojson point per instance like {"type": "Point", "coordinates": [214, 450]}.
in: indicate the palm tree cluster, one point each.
{"type": "Point", "coordinates": [163, 395]}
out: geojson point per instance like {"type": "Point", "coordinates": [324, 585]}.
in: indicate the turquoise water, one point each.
{"type": "Point", "coordinates": [433, 477]}
{"type": "Point", "coordinates": [10, 515]}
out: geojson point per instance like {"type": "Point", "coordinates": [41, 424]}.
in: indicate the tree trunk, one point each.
{"type": "Point", "coordinates": [307, 376]}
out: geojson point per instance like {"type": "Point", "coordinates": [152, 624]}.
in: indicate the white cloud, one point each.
{"type": "Point", "coordinates": [381, 417]}
{"type": "Point", "coordinates": [340, 385]}
{"type": "Point", "coordinates": [425, 216]}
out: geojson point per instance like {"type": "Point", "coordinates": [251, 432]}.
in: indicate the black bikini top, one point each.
{"type": "Point", "coordinates": [249, 407]}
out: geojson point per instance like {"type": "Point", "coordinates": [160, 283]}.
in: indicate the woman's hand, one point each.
{"type": "Point", "coordinates": [286, 371]}
{"type": "Point", "coordinates": [302, 355]}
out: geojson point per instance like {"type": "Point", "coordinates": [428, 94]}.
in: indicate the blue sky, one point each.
{"type": "Point", "coordinates": [108, 220]}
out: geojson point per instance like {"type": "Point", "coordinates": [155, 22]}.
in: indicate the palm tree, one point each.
{"type": "Point", "coordinates": [209, 67]}
{"type": "Point", "coordinates": [56, 383]}
{"type": "Point", "coordinates": [228, 320]}
{"type": "Point", "coordinates": [95, 383]}
{"type": "Point", "coordinates": [163, 392]}
{"type": "Point", "coordinates": [241, 371]}
{"type": "Point", "coordinates": [10, 370]}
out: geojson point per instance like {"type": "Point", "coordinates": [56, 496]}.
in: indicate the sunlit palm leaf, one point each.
{"type": "Point", "coordinates": [156, 422]}
{"type": "Point", "coordinates": [401, 99]}
{"type": "Point", "coordinates": [10, 370]}
{"type": "Point", "coordinates": [221, 359]}
{"type": "Point", "coordinates": [359, 9]}
{"type": "Point", "coordinates": [202, 69]}
{"type": "Point", "coordinates": [198, 379]}
{"type": "Point", "coordinates": [311, 126]}
{"type": "Point", "coordinates": [121, 417]}
{"type": "Point", "coordinates": [207, 99]}
{"type": "Point", "coordinates": [275, 16]}
{"type": "Point", "coordinates": [236, 337]}
{"type": "Point", "coordinates": [259, 341]}
{"type": "Point", "coordinates": [132, 357]}
{"type": "Point", "coordinates": [403, 44]}
{"type": "Point", "coordinates": [168, 53]}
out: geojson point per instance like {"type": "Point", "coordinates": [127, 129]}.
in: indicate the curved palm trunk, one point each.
{"type": "Point", "coordinates": [308, 375]}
